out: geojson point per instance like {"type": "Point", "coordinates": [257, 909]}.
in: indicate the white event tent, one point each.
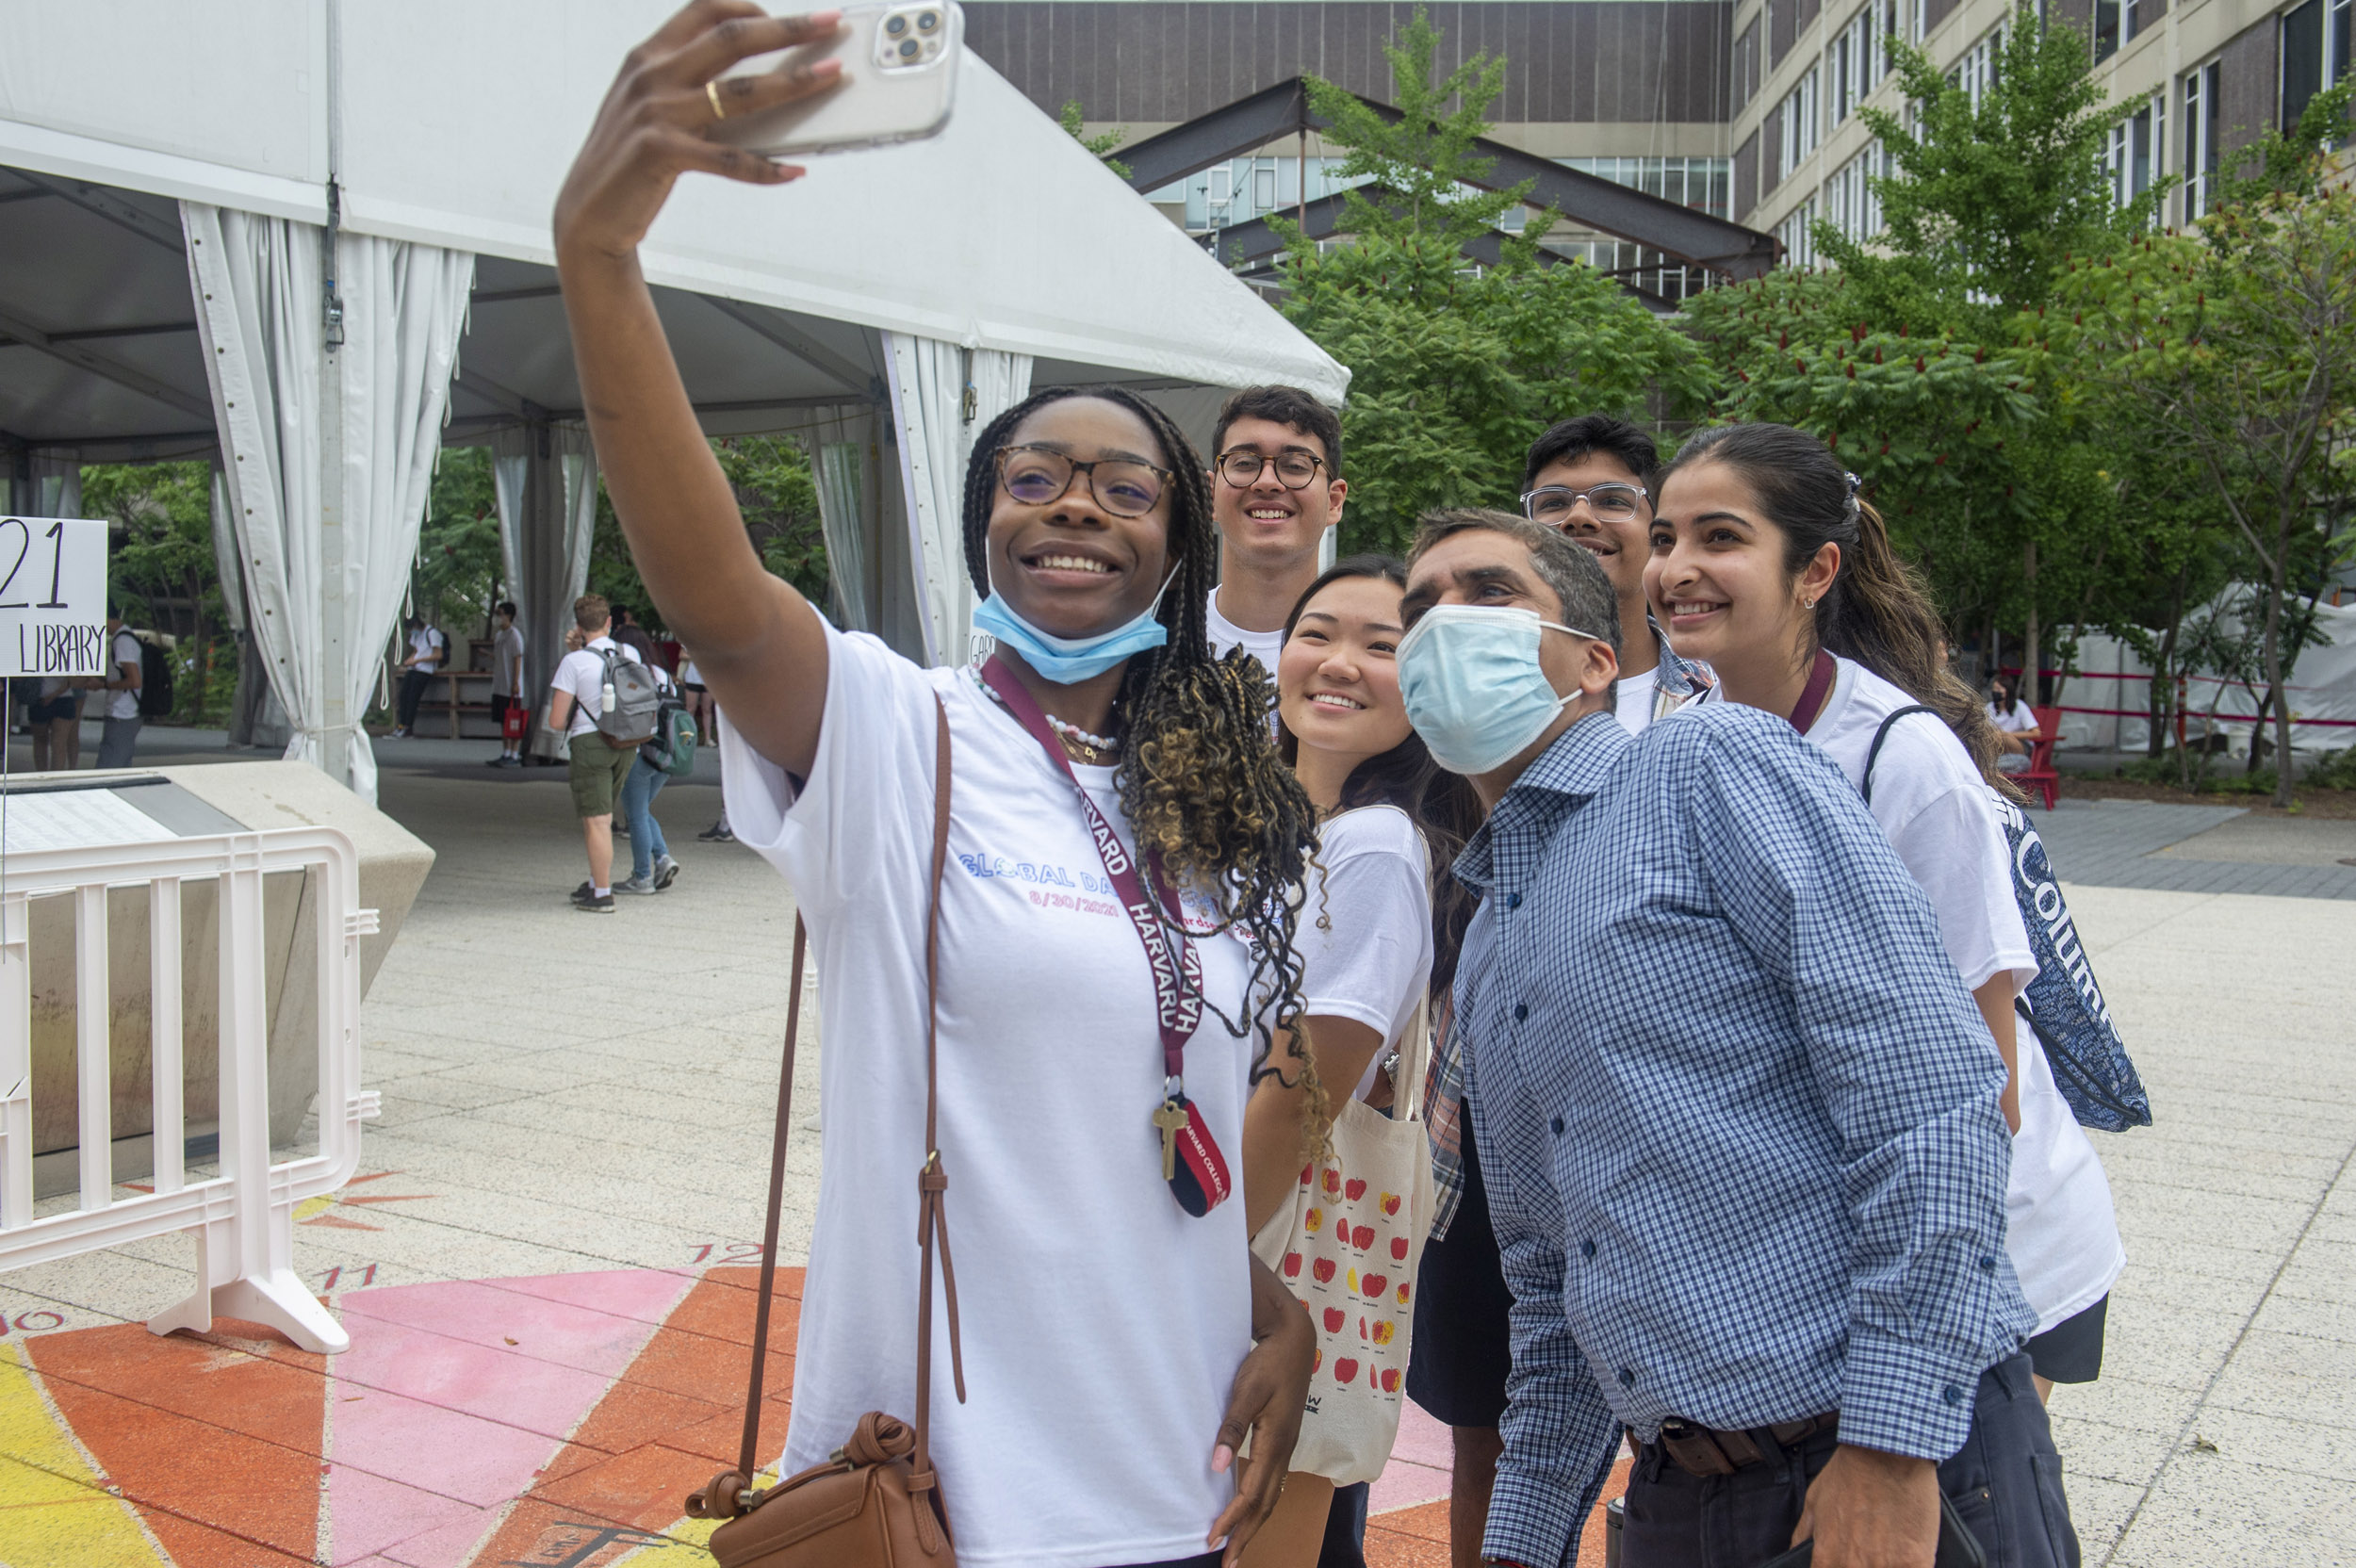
{"type": "Point", "coordinates": [310, 238]}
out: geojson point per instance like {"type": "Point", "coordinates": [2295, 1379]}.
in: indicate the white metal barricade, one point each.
{"type": "Point", "coordinates": [243, 1219]}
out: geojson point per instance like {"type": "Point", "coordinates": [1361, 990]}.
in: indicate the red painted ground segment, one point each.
{"type": "Point", "coordinates": [472, 1423]}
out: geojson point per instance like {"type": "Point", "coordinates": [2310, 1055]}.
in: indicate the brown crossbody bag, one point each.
{"type": "Point", "coordinates": [878, 1502]}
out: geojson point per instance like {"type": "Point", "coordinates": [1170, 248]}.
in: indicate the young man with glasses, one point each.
{"type": "Point", "coordinates": [1276, 486]}
{"type": "Point", "coordinates": [1592, 478]}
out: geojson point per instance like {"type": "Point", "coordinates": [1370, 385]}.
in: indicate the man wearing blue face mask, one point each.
{"type": "Point", "coordinates": [1743, 1148]}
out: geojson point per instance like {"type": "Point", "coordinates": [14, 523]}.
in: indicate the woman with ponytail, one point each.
{"type": "Point", "coordinates": [1768, 564]}
{"type": "Point", "coordinates": [1116, 923]}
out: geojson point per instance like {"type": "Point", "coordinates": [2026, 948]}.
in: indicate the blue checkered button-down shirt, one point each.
{"type": "Point", "coordinates": [1737, 1118]}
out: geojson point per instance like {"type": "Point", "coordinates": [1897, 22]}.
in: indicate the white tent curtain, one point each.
{"type": "Point", "coordinates": [225, 554]}
{"type": "Point", "coordinates": [934, 385]}
{"type": "Point", "coordinates": [284, 403]}
{"type": "Point", "coordinates": [52, 488]}
{"type": "Point", "coordinates": [545, 477]}
{"type": "Point", "coordinates": [839, 514]}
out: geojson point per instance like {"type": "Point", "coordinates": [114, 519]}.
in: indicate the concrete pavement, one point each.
{"type": "Point", "coordinates": [583, 1103]}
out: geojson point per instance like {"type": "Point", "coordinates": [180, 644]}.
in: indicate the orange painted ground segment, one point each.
{"type": "Point", "coordinates": [557, 1419]}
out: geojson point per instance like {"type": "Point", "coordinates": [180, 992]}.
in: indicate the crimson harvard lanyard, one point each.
{"type": "Point", "coordinates": [1812, 695]}
{"type": "Point", "coordinates": [1191, 1163]}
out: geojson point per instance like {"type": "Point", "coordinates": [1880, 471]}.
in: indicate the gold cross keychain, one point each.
{"type": "Point", "coordinates": [1171, 1117]}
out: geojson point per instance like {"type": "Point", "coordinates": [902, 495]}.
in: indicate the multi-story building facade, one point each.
{"type": "Point", "coordinates": [1744, 108]}
{"type": "Point", "coordinates": [2206, 78]}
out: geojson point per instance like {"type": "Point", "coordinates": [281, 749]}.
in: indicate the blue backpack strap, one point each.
{"type": "Point", "coordinates": [1882, 734]}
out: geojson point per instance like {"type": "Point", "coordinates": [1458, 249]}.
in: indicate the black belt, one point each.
{"type": "Point", "coordinates": [1700, 1450]}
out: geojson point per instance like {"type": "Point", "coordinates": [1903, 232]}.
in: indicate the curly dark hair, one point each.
{"type": "Point", "coordinates": [1200, 779]}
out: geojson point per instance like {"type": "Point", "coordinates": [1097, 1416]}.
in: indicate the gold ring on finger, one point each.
{"type": "Point", "coordinates": [712, 92]}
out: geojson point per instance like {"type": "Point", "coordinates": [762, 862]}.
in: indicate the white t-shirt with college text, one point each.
{"type": "Point", "coordinates": [122, 705]}
{"type": "Point", "coordinates": [582, 673]}
{"type": "Point", "coordinates": [1932, 802]}
{"type": "Point", "coordinates": [1102, 1326]}
{"type": "Point", "coordinates": [1365, 936]}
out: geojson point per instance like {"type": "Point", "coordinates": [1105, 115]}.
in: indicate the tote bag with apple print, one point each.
{"type": "Point", "coordinates": [1347, 1244]}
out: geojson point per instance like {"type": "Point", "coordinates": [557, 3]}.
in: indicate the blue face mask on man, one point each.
{"type": "Point", "coordinates": [1473, 685]}
{"type": "Point", "coordinates": [1067, 660]}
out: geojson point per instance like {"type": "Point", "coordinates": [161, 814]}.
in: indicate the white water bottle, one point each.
{"type": "Point", "coordinates": [607, 704]}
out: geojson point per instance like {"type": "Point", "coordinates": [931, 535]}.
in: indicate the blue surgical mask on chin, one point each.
{"type": "Point", "coordinates": [1473, 685]}
{"type": "Point", "coordinates": [1067, 660]}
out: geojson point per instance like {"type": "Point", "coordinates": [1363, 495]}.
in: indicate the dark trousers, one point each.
{"type": "Point", "coordinates": [2006, 1481]}
{"type": "Point", "coordinates": [413, 685]}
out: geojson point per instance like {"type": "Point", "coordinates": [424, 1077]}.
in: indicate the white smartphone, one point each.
{"type": "Point", "coordinates": [900, 77]}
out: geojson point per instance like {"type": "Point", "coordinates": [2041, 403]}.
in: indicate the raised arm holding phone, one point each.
{"type": "Point", "coordinates": [1095, 1049]}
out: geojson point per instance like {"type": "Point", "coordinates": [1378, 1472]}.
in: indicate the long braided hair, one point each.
{"type": "Point", "coordinates": [1199, 777]}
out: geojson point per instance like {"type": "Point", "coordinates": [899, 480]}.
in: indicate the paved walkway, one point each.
{"type": "Point", "coordinates": [2198, 849]}
{"type": "Point", "coordinates": [543, 1264]}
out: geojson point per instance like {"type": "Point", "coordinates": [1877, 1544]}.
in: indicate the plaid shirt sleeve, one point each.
{"type": "Point", "coordinates": [1444, 1120]}
{"type": "Point", "coordinates": [1559, 1434]}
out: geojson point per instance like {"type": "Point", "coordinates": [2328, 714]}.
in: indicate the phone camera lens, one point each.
{"type": "Point", "coordinates": [927, 21]}
{"type": "Point", "coordinates": [908, 49]}
{"type": "Point", "coordinates": [895, 25]}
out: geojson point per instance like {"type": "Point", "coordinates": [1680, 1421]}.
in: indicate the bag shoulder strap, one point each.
{"type": "Point", "coordinates": [932, 1183]}
{"type": "Point", "coordinates": [1882, 734]}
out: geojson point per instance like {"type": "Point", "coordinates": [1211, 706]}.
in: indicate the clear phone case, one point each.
{"type": "Point", "coordinates": [900, 76]}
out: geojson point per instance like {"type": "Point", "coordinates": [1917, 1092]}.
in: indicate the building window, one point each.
{"type": "Point", "coordinates": [1241, 189]}
{"type": "Point", "coordinates": [2137, 152]}
{"type": "Point", "coordinates": [1850, 204]}
{"type": "Point", "coordinates": [1706, 184]}
{"type": "Point", "coordinates": [1889, 22]}
{"type": "Point", "coordinates": [1976, 72]}
{"type": "Point", "coordinates": [2316, 52]}
{"type": "Point", "coordinates": [1857, 62]}
{"type": "Point", "coordinates": [1797, 235]}
{"type": "Point", "coordinates": [1799, 127]}
{"type": "Point", "coordinates": [2106, 38]}
{"type": "Point", "coordinates": [2200, 148]}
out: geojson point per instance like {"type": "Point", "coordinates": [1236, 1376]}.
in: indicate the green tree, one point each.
{"type": "Point", "coordinates": [1905, 357]}
{"type": "Point", "coordinates": [1454, 367]}
{"type": "Point", "coordinates": [163, 567]}
{"type": "Point", "coordinates": [2238, 351]}
{"type": "Point", "coordinates": [1101, 145]}
{"type": "Point", "coordinates": [778, 497]}
{"type": "Point", "coordinates": [460, 570]}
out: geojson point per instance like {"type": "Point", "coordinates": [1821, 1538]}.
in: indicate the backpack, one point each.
{"type": "Point", "coordinates": [154, 679]}
{"type": "Point", "coordinates": [672, 748]}
{"type": "Point", "coordinates": [632, 701]}
{"type": "Point", "coordinates": [2063, 1006]}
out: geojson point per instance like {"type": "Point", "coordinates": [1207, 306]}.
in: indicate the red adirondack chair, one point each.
{"type": "Point", "coordinates": [2041, 776]}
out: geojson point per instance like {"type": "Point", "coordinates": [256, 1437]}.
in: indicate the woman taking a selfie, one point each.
{"type": "Point", "coordinates": [1767, 564]}
{"type": "Point", "coordinates": [1119, 1340]}
{"type": "Point", "coordinates": [1390, 818]}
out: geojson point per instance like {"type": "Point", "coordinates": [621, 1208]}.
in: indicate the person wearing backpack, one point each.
{"type": "Point", "coordinates": [599, 765]}
{"type": "Point", "coordinates": [427, 648]}
{"type": "Point", "coordinates": [1768, 566]}
{"type": "Point", "coordinates": [126, 667]}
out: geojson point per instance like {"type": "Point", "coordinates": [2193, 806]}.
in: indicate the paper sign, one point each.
{"type": "Point", "coordinates": [53, 596]}
{"type": "Point", "coordinates": [75, 819]}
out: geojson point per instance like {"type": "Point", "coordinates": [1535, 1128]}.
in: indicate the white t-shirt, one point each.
{"type": "Point", "coordinates": [425, 646]}
{"type": "Point", "coordinates": [1102, 1326]}
{"type": "Point", "coordinates": [2014, 723]}
{"type": "Point", "coordinates": [1366, 930]}
{"type": "Point", "coordinates": [1224, 634]}
{"type": "Point", "coordinates": [507, 656]}
{"type": "Point", "coordinates": [1635, 703]}
{"type": "Point", "coordinates": [582, 673]}
{"type": "Point", "coordinates": [2060, 1227]}
{"type": "Point", "coordinates": [122, 705]}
